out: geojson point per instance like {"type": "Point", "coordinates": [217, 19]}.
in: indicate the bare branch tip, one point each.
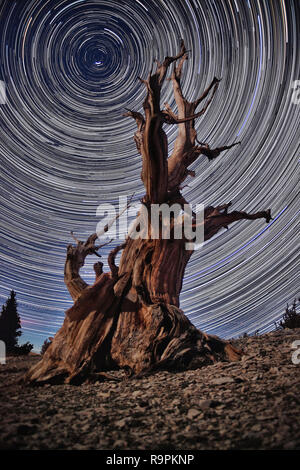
{"type": "Point", "coordinates": [74, 237]}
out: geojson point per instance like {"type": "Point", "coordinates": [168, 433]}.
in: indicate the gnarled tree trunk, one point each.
{"type": "Point", "coordinates": [130, 318]}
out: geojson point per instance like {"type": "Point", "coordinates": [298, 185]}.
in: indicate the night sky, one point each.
{"type": "Point", "coordinates": [71, 68]}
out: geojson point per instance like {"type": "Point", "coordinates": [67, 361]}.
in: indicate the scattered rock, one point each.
{"type": "Point", "coordinates": [193, 413]}
{"type": "Point", "coordinates": [205, 404]}
{"type": "Point", "coordinates": [250, 404]}
{"type": "Point", "coordinates": [222, 381]}
{"type": "Point", "coordinates": [121, 423]}
{"type": "Point", "coordinates": [103, 394]}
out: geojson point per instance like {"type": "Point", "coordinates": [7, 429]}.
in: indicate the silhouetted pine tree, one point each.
{"type": "Point", "coordinates": [10, 323]}
{"type": "Point", "coordinates": [46, 345]}
{"type": "Point", "coordinates": [291, 318]}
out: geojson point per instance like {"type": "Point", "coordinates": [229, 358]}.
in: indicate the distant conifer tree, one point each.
{"type": "Point", "coordinates": [291, 318]}
{"type": "Point", "coordinates": [10, 323]}
{"type": "Point", "coordinates": [46, 345]}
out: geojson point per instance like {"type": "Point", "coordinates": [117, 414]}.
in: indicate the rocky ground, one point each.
{"type": "Point", "coordinates": [252, 404]}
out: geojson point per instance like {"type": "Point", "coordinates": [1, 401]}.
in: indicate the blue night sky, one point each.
{"type": "Point", "coordinates": [71, 68]}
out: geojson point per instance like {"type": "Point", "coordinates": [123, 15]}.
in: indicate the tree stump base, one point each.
{"type": "Point", "coordinates": [155, 337]}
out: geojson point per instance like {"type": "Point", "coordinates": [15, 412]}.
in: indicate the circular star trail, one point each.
{"type": "Point", "coordinates": [71, 68]}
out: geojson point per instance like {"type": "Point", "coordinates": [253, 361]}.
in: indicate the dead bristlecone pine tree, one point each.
{"type": "Point", "coordinates": [130, 317]}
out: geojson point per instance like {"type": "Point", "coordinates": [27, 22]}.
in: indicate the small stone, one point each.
{"type": "Point", "coordinates": [261, 418]}
{"type": "Point", "coordinates": [79, 447]}
{"type": "Point", "coordinates": [222, 381]}
{"type": "Point", "coordinates": [205, 404]}
{"type": "Point", "coordinates": [176, 402]}
{"type": "Point", "coordinates": [85, 413]}
{"type": "Point", "coordinates": [119, 444]}
{"type": "Point", "coordinates": [193, 413]}
{"type": "Point", "coordinates": [256, 428]}
{"type": "Point", "coordinates": [121, 422]}
{"type": "Point", "coordinates": [147, 385]}
{"type": "Point", "coordinates": [103, 394]}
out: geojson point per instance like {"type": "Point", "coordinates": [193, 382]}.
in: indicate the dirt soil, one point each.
{"type": "Point", "coordinates": [251, 404]}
